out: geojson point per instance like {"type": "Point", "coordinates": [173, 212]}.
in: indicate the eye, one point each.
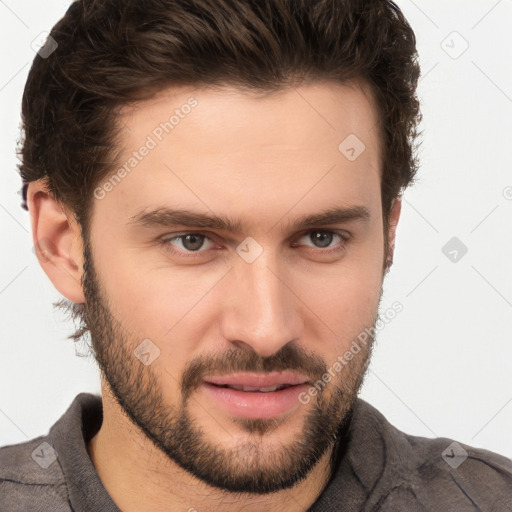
{"type": "Point", "coordinates": [322, 239]}
{"type": "Point", "coordinates": [187, 242]}
{"type": "Point", "coordinates": [184, 244]}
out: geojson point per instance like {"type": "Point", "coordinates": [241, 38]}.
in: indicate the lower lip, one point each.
{"type": "Point", "coordinates": [255, 405]}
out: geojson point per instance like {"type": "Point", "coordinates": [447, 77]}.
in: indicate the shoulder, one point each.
{"type": "Point", "coordinates": [31, 477]}
{"type": "Point", "coordinates": [440, 473]}
{"type": "Point", "coordinates": [33, 473]}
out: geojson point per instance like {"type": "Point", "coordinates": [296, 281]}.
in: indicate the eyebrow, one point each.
{"type": "Point", "coordinates": [168, 217]}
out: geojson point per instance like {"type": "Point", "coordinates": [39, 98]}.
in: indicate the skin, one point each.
{"type": "Point", "coordinates": [266, 160]}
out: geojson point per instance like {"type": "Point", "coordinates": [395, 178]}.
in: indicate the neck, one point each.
{"type": "Point", "coordinates": [139, 477]}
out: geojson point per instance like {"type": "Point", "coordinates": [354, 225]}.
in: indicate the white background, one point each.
{"type": "Point", "coordinates": [442, 367]}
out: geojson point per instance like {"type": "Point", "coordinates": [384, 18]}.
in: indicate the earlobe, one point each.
{"type": "Point", "coordinates": [57, 241]}
{"type": "Point", "coordinates": [394, 217]}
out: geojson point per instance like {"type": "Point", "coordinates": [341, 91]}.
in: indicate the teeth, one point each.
{"type": "Point", "coordinates": [255, 388]}
{"type": "Point", "coordinates": [271, 388]}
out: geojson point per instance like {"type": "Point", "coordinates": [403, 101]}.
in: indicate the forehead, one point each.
{"type": "Point", "coordinates": [243, 118]}
{"type": "Point", "coordinates": [253, 154]}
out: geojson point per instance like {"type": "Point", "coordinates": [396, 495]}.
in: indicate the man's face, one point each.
{"type": "Point", "coordinates": [270, 303]}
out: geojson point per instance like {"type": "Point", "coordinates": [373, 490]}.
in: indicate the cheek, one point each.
{"type": "Point", "coordinates": [346, 303]}
{"type": "Point", "coordinates": [153, 300]}
{"type": "Point", "coordinates": [342, 300]}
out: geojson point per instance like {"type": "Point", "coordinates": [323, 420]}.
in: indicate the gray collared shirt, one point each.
{"type": "Point", "coordinates": [377, 468]}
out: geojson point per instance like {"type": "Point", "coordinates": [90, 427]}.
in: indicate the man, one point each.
{"type": "Point", "coordinates": [215, 186]}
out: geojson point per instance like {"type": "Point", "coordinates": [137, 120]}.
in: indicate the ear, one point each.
{"type": "Point", "coordinates": [394, 216]}
{"type": "Point", "coordinates": [57, 241]}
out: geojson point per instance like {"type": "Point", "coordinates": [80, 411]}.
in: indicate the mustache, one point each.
{"type": "Point", "coordinates": [289, 357]}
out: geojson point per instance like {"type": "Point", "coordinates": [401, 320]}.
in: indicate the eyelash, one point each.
{"type": "Point", "coordinates": [165, 242]}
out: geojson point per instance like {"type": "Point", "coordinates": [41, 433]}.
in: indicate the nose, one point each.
{"type": "Point", "coordinates": [261, 310]}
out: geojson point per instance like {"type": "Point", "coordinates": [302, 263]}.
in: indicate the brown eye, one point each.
{"type": "Point", "coordinates": [324, 239]}
{"type": "Point", "coordinates": [192, 242]}
{"type": "Point", "coordinates": [187, 243]}
{"type": "Point", "coordinates": [321, 238]}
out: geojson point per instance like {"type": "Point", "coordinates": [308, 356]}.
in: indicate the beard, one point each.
{"type": "Point", "coordinates": [258, 465]}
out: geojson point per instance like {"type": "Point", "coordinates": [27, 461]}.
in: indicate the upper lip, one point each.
{"type": "Point", "coordinates": [258, 379]}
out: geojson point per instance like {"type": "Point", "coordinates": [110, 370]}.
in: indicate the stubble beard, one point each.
{"type": "Point", "coordinates": [257, 466]}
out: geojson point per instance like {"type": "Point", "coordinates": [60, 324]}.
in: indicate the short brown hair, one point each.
{"type": "Point", "coordinates": [113, 52]}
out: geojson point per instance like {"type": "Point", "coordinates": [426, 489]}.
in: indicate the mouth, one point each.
{"type": "Point", "coordinates": [256, 389]}
{"type": "Point", "coordinates": [258, 381]}
{"type": "Point", "coordinates": [256, 396]}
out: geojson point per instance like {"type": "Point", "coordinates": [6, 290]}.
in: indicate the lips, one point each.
{"type": "Point", "coordinates": [256, 395]}
{"type": "Point", "coordinates": [258, 383]}
{"type": "Point", "coordinates": [256, 389]}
